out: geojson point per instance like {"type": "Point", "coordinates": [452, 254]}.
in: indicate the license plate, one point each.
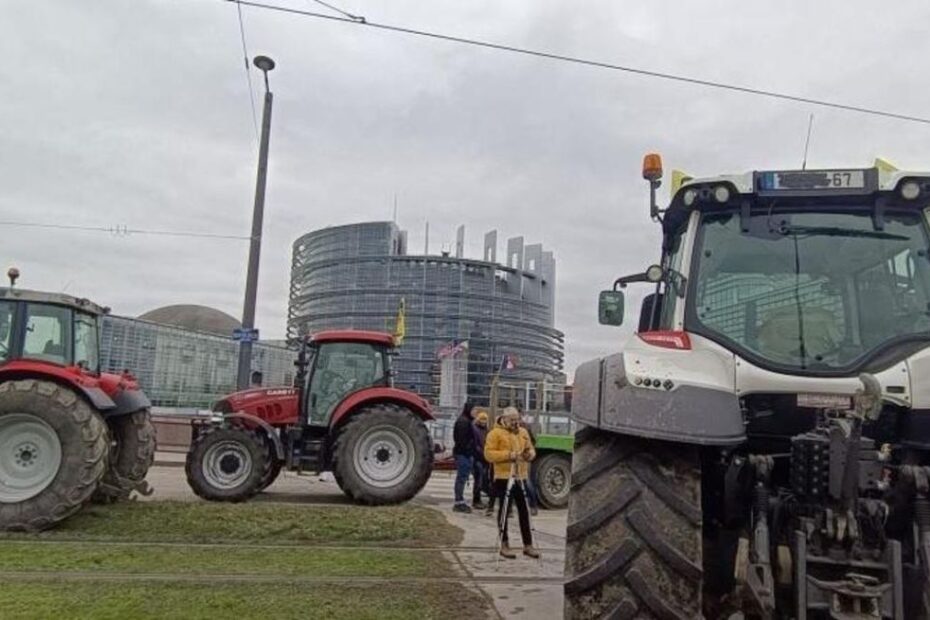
{"type": "Point", "coordinates": [814, 179]}
{"type": "Point", "coordinates": [824, 401]}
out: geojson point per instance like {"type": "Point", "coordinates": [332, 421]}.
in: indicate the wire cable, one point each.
{"type": "Point", "coordinates": [356, 18]}
{"type": "Point", "coordinates": [248, 74]}
{"type": "Point", "coordinates": [121, 231]}
{"type": "Point", "coordinates": [595, 63]}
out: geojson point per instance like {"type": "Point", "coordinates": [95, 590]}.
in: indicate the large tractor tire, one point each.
{"type": "Point", "coordinates": [132, 452]}
{"type": "Point", "coordinates": [53, 453]}
{"type": "Point", "coordinates": [227, 464]}
{"type": "Point", "coordinates": [552, 473]}
{"type": "Point", "coordinates": [634, 533]}
{"type": "Point", "coordinates": [383, 455]}
{"type": "Point", "coordinates": [271, 474]}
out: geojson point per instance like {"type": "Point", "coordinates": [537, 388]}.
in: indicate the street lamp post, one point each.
{"type": "Point", "coordinates": [265, 64]}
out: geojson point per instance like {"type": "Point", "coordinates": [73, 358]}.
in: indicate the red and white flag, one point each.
{"type": "Point", "coordinates": [453, 348]}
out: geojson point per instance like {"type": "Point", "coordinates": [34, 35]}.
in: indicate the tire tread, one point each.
{"type": "Point", "coordinates": [135, 456]}
{"type": "Point", "coordinates": [634, 533]}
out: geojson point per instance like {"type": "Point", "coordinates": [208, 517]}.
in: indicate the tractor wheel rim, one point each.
{"type": "Point", "coordinates": [227, 464]}
{"type": "Point", "coordinates": [384, 456]}
{"type": "Point", "coordinates": [30, 456]}
{"type": "Point", "coordinates": [556, 481]}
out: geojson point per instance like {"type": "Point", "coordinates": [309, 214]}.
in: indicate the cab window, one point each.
{"type": "Point", "coordinates": [48, 333]}
{"type": "Point", "coordinates": [340, 369]}
{"type": "Point", "coordinates": [86, 345]}
{"type": "Point", "coordinates": [6, 329]}
{"type": "Point", "coordinates": [670, 289]}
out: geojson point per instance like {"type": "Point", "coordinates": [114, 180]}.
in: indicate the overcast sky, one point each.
{"type": "Point", "coordinates": [136, 114]}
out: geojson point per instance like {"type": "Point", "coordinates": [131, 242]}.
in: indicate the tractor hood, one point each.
{"type": "Point", "coordinates": [275, 405]}
{"type": "Point", "coordinates": [690, 390]}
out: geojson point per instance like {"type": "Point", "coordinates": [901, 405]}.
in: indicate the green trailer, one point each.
{"type": "Point", "coordinates": [552, 469]}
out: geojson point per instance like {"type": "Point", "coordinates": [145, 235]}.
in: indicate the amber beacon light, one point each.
{"type": "Point", "coordinates": [652, 167]}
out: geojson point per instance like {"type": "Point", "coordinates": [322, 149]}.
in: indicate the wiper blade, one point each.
{"type": "Point", "coordinates": [836, 231]}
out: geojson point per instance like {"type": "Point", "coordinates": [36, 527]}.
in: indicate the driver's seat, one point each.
{"type": "Point", "coordinates": [778, 335]}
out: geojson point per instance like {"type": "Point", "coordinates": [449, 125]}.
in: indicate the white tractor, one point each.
{"type": "Point", "coordinates": [762, 444]}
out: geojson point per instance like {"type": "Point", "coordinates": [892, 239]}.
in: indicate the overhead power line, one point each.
{"type": "Point", "coordinates": [248, 73]}
{"type": "Point", "coordinates": [124, 231]}
{"type": "Point", "coordinates": [355, 18]}
{"type": "Point", "coordinates": [591, 63]}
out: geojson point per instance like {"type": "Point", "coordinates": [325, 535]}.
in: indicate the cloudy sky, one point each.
{"type": "Point", "coordinates": [136, 114]}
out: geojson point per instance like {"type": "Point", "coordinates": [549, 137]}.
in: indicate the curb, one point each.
{"type": "Point", "coordinates": [168, 464]}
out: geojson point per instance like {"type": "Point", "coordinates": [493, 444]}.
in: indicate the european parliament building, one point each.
{"type": "Point", "coordinates": [486, 316]}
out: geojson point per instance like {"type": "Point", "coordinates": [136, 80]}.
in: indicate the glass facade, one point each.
{"type": "Point", "coordinates": [182, 368]}
{"type": "Point", "coordinates": [355, 276]}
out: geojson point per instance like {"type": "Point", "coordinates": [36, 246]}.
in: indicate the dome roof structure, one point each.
{"type": "Point", "coordinates": [194, 317]}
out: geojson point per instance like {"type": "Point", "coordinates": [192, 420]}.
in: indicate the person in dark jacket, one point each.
{"type": "Point", "coordinates": [480, 468]}
{"type": "Point", "coordinates": [463, 451]}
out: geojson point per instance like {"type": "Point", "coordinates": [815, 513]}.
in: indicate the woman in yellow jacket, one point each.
{"type": "Point", "coordinates": [509, 450]}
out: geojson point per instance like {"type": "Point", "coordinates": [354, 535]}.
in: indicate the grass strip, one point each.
{"type": "Point", "coordinates": [220, 561]}
{"type": "Point", "coordinates": [202, 522]}
{"type": "Point", "coordinates": [106, 600]}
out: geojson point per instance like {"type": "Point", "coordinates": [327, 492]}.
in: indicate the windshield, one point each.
{"type": "Point", "coordinates": [811, 290]}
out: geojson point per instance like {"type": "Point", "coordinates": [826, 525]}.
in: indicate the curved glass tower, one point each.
{"type": "Point", "coordinates": [478, 315]}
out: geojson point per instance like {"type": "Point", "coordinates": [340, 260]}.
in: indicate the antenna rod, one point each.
{"type": "Point", "coordinates": [807, 143]}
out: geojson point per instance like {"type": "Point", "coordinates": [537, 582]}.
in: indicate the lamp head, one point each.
{"type": "Point", "coordinates": [264, 63]}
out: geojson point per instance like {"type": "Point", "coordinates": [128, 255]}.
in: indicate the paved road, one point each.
{"type": "Point", "coordinates": [520, 589]}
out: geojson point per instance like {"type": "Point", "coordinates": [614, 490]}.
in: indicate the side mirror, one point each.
{"type": "Point", "coordinates": [610, 308]}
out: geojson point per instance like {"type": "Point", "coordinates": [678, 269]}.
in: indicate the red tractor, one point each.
{"type": "Point", "coordinates": [343, 414]}
{"type": "Point", "coordinates": [68, 432]}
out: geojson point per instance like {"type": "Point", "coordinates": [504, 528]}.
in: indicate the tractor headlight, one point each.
{"type": "Point", "coordinates": [689, 197]}
{"type": "Point", "coordinates": [721, 193]}
{"type": "Point", "coordinates": [910, 190]}
{"type": "Point", "coordinates": [654, 273]}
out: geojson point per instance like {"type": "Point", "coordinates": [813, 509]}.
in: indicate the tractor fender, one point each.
{"type": "Point", "coordinates": [604, 398]}
{"type": "Point", "coordinates": [128, 401]}
{"type": "Point", "coordinates": [84, 386]}
{"type": "Point", "coordinates": [369, 396]}
{"type": "Point", "coordinates": [123, 389]}
{"type": "Point", "coordinates": [268, 428]}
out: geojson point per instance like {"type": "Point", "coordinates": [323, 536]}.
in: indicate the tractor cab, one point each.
{"type": "Point", "coordinates": [336, 364]}
{"type": "Point", "coordinates": [49, 328]}
{"type": "Point", "coordinates": [810, 272]}
{"type": "Point", "coordinates": [56, 336]}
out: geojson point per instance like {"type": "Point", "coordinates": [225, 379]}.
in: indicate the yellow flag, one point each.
{"type": "Point", "coordinates": [678, 179]}
{"type": "Point", "coordinates": [400, 323]}
{"type": "Point", "coordinates": [884, 165]}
